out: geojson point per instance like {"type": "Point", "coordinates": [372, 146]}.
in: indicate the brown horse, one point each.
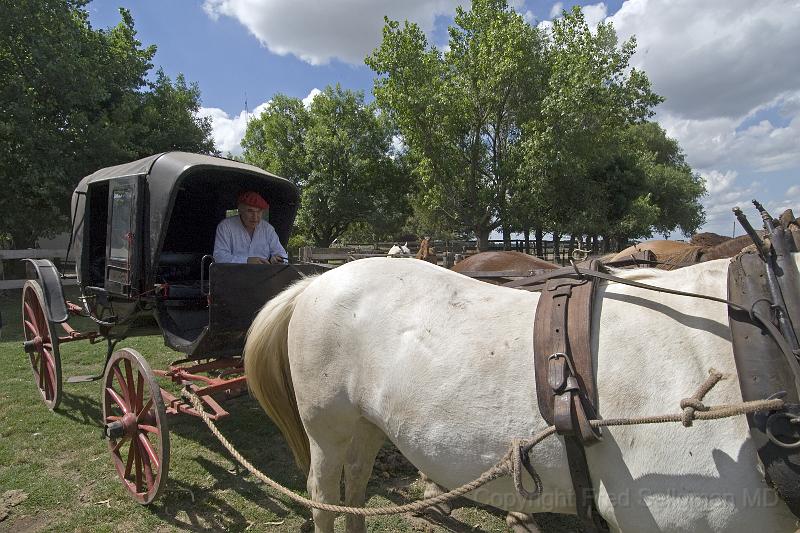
{"type": "Point", "coordinates": [426, 252]}
{"type": "Point", "coordinates": [512, 264]}
{"type": "Point", "coordinates": [675, 254]}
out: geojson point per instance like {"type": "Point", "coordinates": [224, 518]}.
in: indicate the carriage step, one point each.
{"type": "Point", "coordinates": [83, 379]}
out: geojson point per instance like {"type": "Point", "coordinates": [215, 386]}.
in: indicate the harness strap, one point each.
{"type": "Point", "coordinates": [564, 374]}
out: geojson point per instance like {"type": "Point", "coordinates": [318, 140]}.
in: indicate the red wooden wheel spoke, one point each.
{"type": "Point", "coordinates": [138, 462]}
{"type": "Point", "coordinates": [139, 392]}
{"type": "Point", "coordinates": [150, 429]}
{"type": "Point", "coordinates": [149, 451]}
{"type": "Point", "coordinates": [148, 472]}
{"type": "Point", "coordinates": [50, 366]}
{"type": "Point", "coordinates": [31, 316]}
{"type": "Point", "coordinates": [129, 383]}
{"type": "Point", "coordinates": [118, 445]}
{"type": "Point", "coordinates": [144, 410]}
{"type": "Point", "coordinates": [113, 418]}
{"type": "Point", "coordinates": [31, 326]}
{"type": "Point", "coordinates": [122, 385]}
{"type": "Point", "coordinates": [42, 373]}
{"type": "Point", "coordinates": [131, 457]}
{"type": "Point", "coordinates": [118, 400]}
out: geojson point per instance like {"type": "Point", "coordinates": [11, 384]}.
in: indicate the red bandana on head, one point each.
{"type": "Point", "coordinates": [252, 199]}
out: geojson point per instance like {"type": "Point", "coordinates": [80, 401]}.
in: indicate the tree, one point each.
{"type": "Point", "coordinates": [167, 118]}
{"type": "Point", "coordinates": [74, 99]}
{"type": "Point", "coordinates": [669, 179]}
{"type": "Point", "coordinates": [592, 96]}
{"type": "Point", "coordinates": [460, 111]}
{"type": "Point", "coordinates": [339, 151]}
{"type": "Point", "coordinates": [275, 140]}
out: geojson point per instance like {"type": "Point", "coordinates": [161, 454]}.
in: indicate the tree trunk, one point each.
{"type": "Point", "coordinates": [22, 240]}
{"type": "Point", "coordinates": [572, 242]}
{"type": "Point", "coordinates": [506, 238]}
{"type": "Point", "coordinates": [594, 244]}
{"type": "Point", "coordinates": [539, 236]}
{"type": "Point", "coordinates": [556, 243]}
{"type": "Point", "coordinates": [527, 233]}
{"type": "Point", "coordinates": [482, 234]}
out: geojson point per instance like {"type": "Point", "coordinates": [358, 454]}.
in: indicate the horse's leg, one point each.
{"type": "Point", "coordinates": [522, 523]}
{"type": "Point", "coordinates": [324, 479]}
{"type": "Point", "coordinates": [431, 490]}
{"type": "Point", "coordinates": [367, 440]}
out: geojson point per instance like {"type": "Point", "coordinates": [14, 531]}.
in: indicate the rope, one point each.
{"type": "Point", "coordinates": [517, 458]}
{"type": "Point", "coordinates": [500, 469]}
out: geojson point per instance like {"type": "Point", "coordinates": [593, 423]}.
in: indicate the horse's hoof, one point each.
{"type": "Point", "coordinates": [521, 523]}
{"type": "Point", "coordinates": [431, 490]}
{"type": "Point", "coordinates": [443, 509]}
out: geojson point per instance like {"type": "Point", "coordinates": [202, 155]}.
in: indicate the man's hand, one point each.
{"type": "Point", "coordinates": [276, 259]}
{"type": "Point", "coordinates": [257, 261]}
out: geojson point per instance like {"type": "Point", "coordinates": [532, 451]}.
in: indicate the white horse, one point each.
{"type": "Point", "coordinates": [399, 250]}
{"type": "Point", "coordinates": [442, 365]}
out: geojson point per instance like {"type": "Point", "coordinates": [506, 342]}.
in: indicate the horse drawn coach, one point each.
{"type": "Point", "coordinates": [143, 236]}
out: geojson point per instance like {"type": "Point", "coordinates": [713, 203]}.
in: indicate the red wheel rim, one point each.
{"type": "Point", "coordinates": [44, 357]}
{"type": "Point", "coordinates": [132, 402]}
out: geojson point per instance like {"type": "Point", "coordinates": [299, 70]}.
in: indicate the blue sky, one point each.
{"type": "Point", "coordinates": [729, 69]}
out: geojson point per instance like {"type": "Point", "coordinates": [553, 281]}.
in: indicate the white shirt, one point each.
{"type": "Point", "coordinates": [233, 243]}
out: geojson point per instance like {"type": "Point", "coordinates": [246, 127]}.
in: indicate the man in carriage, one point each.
{"type": "Point", "coordinates": [247, 238]}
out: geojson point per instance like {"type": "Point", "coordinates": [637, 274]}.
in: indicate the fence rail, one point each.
{"type": "Point", "coordinates": [32, 253]}
{"type": "Point", "coordinates": [446, 250]}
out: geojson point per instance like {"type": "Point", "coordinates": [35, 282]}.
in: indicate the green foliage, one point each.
{"type": "Point", "coordinates": [74, 99]}
{"type": "Point", "coordinates": [339, 151]}
{"type": "Point", "coordinates": [592, 97]}
{"type": "Point", "coordinates": [460, 111]}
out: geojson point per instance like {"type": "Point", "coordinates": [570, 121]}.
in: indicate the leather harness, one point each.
{"type": "Point", "coordinates": [766, 363]}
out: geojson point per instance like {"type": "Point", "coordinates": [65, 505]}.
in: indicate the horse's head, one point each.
{"type": "Point", "coordinates": [426, 251]}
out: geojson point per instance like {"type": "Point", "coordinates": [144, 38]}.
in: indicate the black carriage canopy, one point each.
{"type": "Point", "coordinates": [173, 201]}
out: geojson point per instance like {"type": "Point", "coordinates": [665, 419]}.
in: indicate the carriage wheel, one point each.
{"type": "Point", "coordinates": [41, 344]}
{"type": "Point", "coordinates": [135, 423]}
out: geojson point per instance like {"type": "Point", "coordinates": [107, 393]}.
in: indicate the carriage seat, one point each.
{"type": "Point", "coordinates": [180, 258]}
{"type": "Point", "coordinates": [178, 273]}
{"type": "Point", "coordinates": [178, 267]}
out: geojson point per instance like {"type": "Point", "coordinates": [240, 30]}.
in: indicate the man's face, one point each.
{"type": "Point", "coordinates": [250, 216]}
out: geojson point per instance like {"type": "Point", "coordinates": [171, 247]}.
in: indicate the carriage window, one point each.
{"type": "Point", "coordinates": [121, 236]}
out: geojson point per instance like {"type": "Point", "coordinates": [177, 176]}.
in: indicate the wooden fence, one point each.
{"type": "Point", "coordinates": [9, 256]}
{"type": "Point", "coordinates": [448, 251]}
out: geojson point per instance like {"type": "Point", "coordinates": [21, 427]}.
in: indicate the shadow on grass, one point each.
{"type": "Point", "coordinates": [207, 511]}
{"type": "Point", "coordinates": [81, 409]}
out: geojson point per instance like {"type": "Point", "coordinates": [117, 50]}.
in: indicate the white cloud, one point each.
{"type": "Point", "coordinates": [555, 11]}
{"type": "Point", "coordinates": [716, 181]}
{"type": "Point", "coordinates": [715, 58]}
{"type": "Point", "coordinates": [318, 32]}
{"type": "Point", "coordinates": [760, 147]}
{"type": "Point", "coordinates": [595, 14]}
{"type": "Point", "coordinates": [310, 98]}
{"type": "Point", "coordinates": [730, 73]}
{"type": "Point", "coordinates": [228, 131]}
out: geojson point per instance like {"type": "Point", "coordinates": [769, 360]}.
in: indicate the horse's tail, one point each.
{"type": "Point", "coordinates": [266, 366]}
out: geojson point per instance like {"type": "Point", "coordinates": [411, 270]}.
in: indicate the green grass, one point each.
{"type": "Point", "coordinates": [60, 462]}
